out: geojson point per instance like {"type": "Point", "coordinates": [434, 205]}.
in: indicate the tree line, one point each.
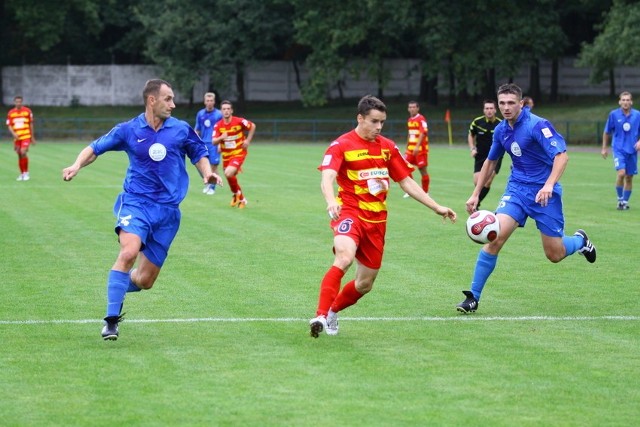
{"type": "Point", "coordinates": [469, 42]}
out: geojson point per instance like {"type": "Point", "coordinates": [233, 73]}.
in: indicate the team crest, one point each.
{"type": "Point", "coordinates": [515, 149]}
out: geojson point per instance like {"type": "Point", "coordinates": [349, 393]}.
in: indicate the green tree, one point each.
{"type": "Point", "coordinates": [348, 37]}
{"type": "Point", "coordinates": [214, 37]}
{"type": "Point", "coordinates": [616, 44]}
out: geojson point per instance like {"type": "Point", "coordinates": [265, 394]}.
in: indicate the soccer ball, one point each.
{"type": "Point", "coordinates": [483, 227]}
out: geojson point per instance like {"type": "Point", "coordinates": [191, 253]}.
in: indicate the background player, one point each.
{"type": "Point", "coordinates": [229, 135]}
{"type": "Point", "coordinates": [479, 139]}
{"type": "Point", "coordinates": [20, 124]}
{"type": "Point", "coordinates": [622, 130]}
{"type": "Point", "coordinates": [205, 120]}
{"type": "Point", "coordinates": [417, 152]}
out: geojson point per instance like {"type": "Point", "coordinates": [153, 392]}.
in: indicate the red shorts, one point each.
{"type": "Point", "coordinates": [21, 145]}
{"type": "Point", "coordinates": [369, 238]}
{"type": "Point", "coordinates": [421, 160]}
{"type": "Point", "coordinates": [235, 162]}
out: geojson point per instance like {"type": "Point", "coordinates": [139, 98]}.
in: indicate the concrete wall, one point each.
{"type": "Point", "coordinates": [63, 85]}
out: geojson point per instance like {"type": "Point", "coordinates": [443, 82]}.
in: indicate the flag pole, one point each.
{"type": "Point", "coordinates": [447, 118]}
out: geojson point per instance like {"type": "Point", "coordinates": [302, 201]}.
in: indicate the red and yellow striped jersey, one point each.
{"type": "Point", "coordinates": [364, 169]}
{"type": "Point", "coordinates": [417, 125]}
{"type": "Point", "coordinates": [235, 129]}
{"type": "Point", "coordinates": [21, 120]}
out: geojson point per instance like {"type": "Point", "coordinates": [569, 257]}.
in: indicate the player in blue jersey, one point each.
{"type": "Point", "coordinates": [539, 157]}
{"type": "Point", "coordinates": [205, 119]}
{"type": "Point", "coordinates": [623, 132]}
{"type": "Point", "coordinates": [147, 211]}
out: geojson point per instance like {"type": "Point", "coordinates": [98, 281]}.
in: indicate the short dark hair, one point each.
{"type": "Point", "coordinates": [18, 97]}
{"type": "Point", "coordinates": [370, 102]}
{"type": "Point", "coordinates": [490, 101]}
{"type": "Point", "coordinates": [413, 102]}
{"type": "Point", "coordinates": [152, 87]}
{"type": "Point", "coordinates": [226, 101]}
{"type": "Point", "coordinates": [510, 88]}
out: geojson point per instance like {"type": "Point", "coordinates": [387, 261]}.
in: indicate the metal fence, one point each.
{"type": "Point", "coordinates": [308, 130]}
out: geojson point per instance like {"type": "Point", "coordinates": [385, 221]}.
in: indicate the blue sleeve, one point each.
{"type": "Point", "coordinates": [497, 150]}
{"type": "Point", "coordinates": [610, 126]}
{"type": "Point", "coordinates": [550, 140]}
{"type": "Point", "coordinates": [197, 126]}
{"type": "Point", "coordinates": [115, 140]}
{"type": "Point", "coordinates": [194, 146]}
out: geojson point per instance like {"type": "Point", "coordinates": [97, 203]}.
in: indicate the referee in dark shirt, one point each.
{"type": "Point", "coordinates": [480, 138]}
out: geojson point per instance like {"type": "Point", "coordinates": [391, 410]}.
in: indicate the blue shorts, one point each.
{"type": "Point", "coordinates": [214, 154]}
{"type": "Point", "coordinates": [518, 201]}
{"type": "Point", "coordinates": [155, 224]}
{"type": "Point", "coordinates": [626, 161]}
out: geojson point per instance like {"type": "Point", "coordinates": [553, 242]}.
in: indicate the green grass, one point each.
{"type": "Point", "coordinates": [222, 338]}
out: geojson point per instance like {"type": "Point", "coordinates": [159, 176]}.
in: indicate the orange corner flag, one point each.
{"type": "Point", "coordinates": [447, 116]}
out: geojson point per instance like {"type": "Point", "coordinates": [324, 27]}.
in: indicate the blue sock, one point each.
{"type": "Point", "coordinates": [626, 195]}
{"type": "Point", "coordinates": [484, 267]}
{"type": "Point", "coordinates": [619, 192]}
{"type": "Point", "coordinates": [132, 287]}
{"type": "Point", "coordinates": [117, 285]}
{"type": "Point", "coordinates": [572, 244]}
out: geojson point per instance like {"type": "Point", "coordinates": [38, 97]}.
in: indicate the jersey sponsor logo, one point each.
{"type": "Point", "coordinates": [157, 152]}
{"type": "Point", "coordinates": [345, 226]}
{"type": "Point", "coordinates": [326, 161]}
{"type": "Point", "coordinates": [515, 149]}
{"type": "Point", "coordinates": [373, 173]}
{"type": "Point", "coordinates": [547, 132]}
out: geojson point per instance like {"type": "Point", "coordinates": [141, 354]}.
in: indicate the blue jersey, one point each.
{"type": "Point", "coordinates": [157, 168]}
{"type": "Point", "coordinates": [204, 123]}
{"type": "Point", "coordinates": [532, 143]}
{"type": "Point", "coordinates": [625, 130]}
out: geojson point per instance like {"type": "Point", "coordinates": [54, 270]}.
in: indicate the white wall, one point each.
{"type": "Point", "coordinates": [60, 85]}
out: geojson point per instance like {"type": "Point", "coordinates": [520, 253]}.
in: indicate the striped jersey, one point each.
{"type": "Point", "coordinates": [20, 120]}
{"type": "Point", "coordinates": [232, 144]}
{"type": "Point", "coordinates": [417, 125]}
{"type": "Point", "coordinates": [364, 171]}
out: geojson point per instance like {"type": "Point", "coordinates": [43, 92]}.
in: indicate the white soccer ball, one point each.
{"type": "Point", "coordinates": [483, 227]}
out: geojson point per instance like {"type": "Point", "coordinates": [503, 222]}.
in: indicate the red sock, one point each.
{"type": "Point", "coordinates": [425, 183]}
{"type": "Point", "coordinates": [329, 288]}
{"type": "Point", "coordinates": [233, 184]}
{"type": "Point", "coordinates": [347, 297]}
{"type": "Point", "coordinates": [23, 163]}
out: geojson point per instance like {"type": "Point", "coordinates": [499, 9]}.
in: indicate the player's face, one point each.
{"type": "Point", "coordinates": [163, 105]}
{"type": "Point", "coordinates": [510, 106]}
{"type": "Point", "coordinates": [370, 126]}
{"type": "Point", "coordinates": [625, 102]}
{"type": "Point", "coordinates": [489, 110]}
{"type": "Point", "coordinates": [413, 109]}
{"type": "Point", "coordinates": [209, 102]}
{"type": "Point", "coordinates": [18, 103]}
{"type": "Point", "coordinates": [227, 111]}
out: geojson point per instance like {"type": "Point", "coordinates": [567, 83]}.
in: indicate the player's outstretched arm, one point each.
{"type": "Point", "coordinates": [86, 157]}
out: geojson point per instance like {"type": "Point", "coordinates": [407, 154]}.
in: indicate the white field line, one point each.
{"type": "Point", "coordinates": [461, 318]}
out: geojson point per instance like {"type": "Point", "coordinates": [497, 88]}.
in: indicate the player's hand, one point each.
{"type": "Point", "coordinates": [69, 173]}
{"type": "Point", "coordinates": [543, 196]}
{"type": "Point", "coordinates": [472, 204]}
{"type": "Point", "coordinates": [214, 178]}
{"type": "Point", "coordinates": [445, 213]}
{"type": "Point", "coordinates": [604, 153]}
{"type": "Point", "coordinates": [333, 210]}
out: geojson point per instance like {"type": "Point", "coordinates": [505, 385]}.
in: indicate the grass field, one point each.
{"type": "Point", "coordinates": [222, 339]}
